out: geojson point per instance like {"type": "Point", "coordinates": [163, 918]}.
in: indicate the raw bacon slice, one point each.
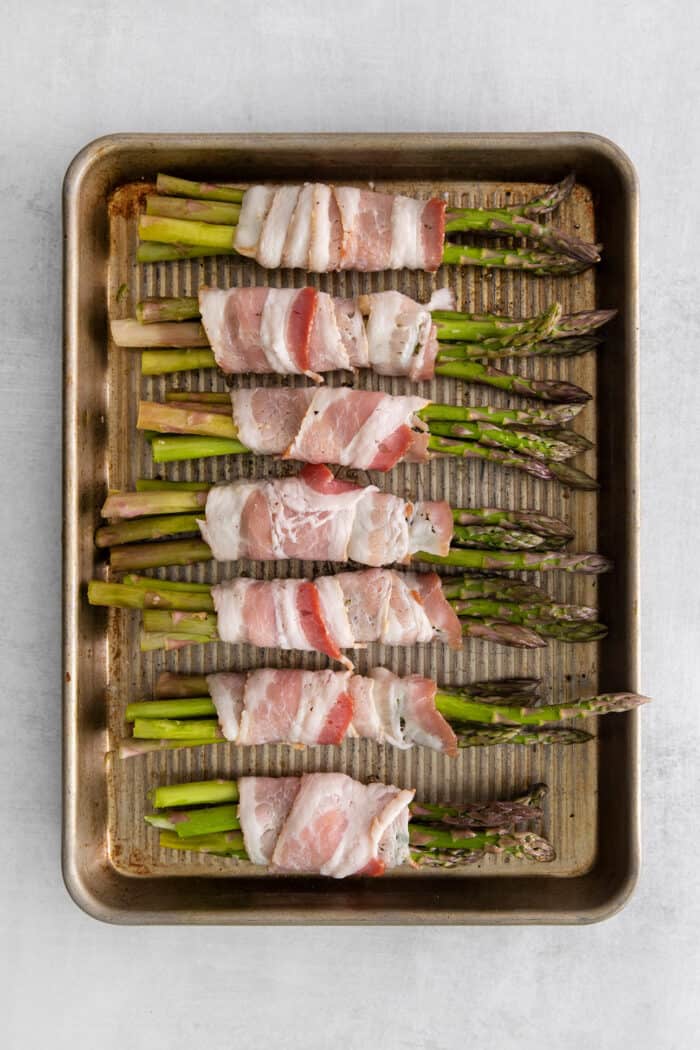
{"type": "Point", "coordinates": [332, 613]}
{"type": "Point", "coordinates": [259, 330]}
{"type": "Point", "coordinates": [407, 714]}
{"type": "Point", "coordinates": [430, 528]}
{"type": "Point", "coordinates": [323, 228]}
{"type": "Point", "coordinates": [323, 707]}
{"type": "Point", "coordinates": [401, 336]}
{"type": "Point", "coordinates": [295, 707]}
{"type": "Point", "coordinates": [339, 827]}
{"type": "Point", "coordinates": [317, 517]}
{"type": "Point", "coordinates": [300, 331]}
{"type": "Point", "coordinates": [268, 418]}
{"type": "Point", "coordinates": [283, 614]}
{"type": "Point", "coordinates": [355, 428]}
{"type": "Point", "coordinates": [264, 804]}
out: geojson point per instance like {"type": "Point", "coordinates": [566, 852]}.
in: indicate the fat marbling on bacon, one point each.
{"type": "Point", "coordinates": [323, 228]}
{"type": "Point", "coordinates": [301, 331]}
{"type": "Point", "coordinates": [318, 517]}
{"type": "Point", "coordinates": [324, 824]}
{"type": "Point", "coordinates": [364, 429]}
{"type": "Point", "coordinates": [332, 613]}
{"type": "Point", "coordinates": [324, 707]}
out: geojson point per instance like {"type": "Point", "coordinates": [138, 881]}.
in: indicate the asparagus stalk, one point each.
{"type": "Point", "coordinates": [522, 561]}
{"type": "Point", "coordinates": [487, 375]}
{"type": "Point", "coordinates": [207, 191]}
{"type": "Point", "coordinates": [168, 362]}
{"type": "Point", "coordinates": [494, 537]}
{"type": "Point", "coordinates": [451, 352]}
{"type": "Point", "coordinates": [536, 418]}
{"type": "Point", "coordinates": [132, 334]}
{"type": "Point", "coordinates": [201, 211]}
{"type": "Point", "coordinates": [521, 612]}
{"type": "Point", "coordinates": [503, 223]}
{"type": "Point", "coordinates": [539, 446]}
{"type": "Point", "coordinates": [528, 520]}
{"type": "Point", "coordinates": [144, 502]}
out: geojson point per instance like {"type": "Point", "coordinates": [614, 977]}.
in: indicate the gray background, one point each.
{"type": "Point", "coordinates": [72, 71]}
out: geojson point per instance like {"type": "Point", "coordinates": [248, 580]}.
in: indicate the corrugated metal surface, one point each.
{"type": "Point", "coordinates": [572, 812]}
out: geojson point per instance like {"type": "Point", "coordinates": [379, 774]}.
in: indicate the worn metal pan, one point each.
{"type": "Point", "coordinates": [112, 867]}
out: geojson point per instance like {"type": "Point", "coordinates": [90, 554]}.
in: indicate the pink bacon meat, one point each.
{"type": "Point", "coordinates": [323, 228]}
{"type": "Point", "coordinates": [325, 707]}
{"type": "Point", "coordinates": [332, 613]}
{"type": "Point", "coordinates": [318, 517]}
{"type": "Point", "coordinates": [324, 824]}
{"type": "Point", "coordinates": [364, 429]}
{"type": "Point", "coordinates": [307, 332]}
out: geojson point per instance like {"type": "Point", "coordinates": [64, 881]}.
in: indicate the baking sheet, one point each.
{"type": "Point", "coordinates": [140, 882]}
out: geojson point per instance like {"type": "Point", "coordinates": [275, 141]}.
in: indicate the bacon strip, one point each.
{"type": "Point", "coordinates": [301, 331]}
{"type": "Point", "coordinates": [317, 517]}
{"type": "Point", "coordinates": [325, 228]}
{"type": "Point", "coordinates": [324, 823]}
{"type": "Point", "coordinates": [323, 707]}
{"type": "Point", "coordinates": [364, 429]}
{"type": "Point", "coordinates": [333, 613]}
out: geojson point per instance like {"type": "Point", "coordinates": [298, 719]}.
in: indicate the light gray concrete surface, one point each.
{"type": "Point", "coordinates": [73, 71]}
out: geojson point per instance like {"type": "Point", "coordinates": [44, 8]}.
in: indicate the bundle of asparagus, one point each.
{"type": "Point", "coordinates": [199, 424]}
{"type": "Point", "coordinates": [204, 817]}
{"type": "Point", "coordinates": [467, 343]}
{"type": "Point", "coordinates": [495, 608]}
{"type": "Point", "coordinates": [159, 510]}
{"type": "Point", "coordinates": [483, 714]}
{"type": "Point", "coordinates": [186, 219]}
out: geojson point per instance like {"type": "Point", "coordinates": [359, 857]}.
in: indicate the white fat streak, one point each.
{"type": "Point", "coordinates": [365, 720]}
{"type": "Point", "coordinates": [387, 694]}
{"type": "Point", "coordinates": [353, 326]}
{"type": "Point", "coordinates": [372, 810]}
{"type": "Point", "coordinates": [398, 632]}
{"type": "Point", "coordinates": [326, 326]}
{"type": "Point", "coordinates": [332, 601]}
{"type": "Point", "coordinates": [389, 414]}
{"type": "Point", "coordinates": [212, 305]}
{"type": "Point", "coordinates": [270, 438]}
{"type": "Point", "coordinates": [229, 598]}
{"type": "Point", "coordinates": [296, 509]}
{"type": "Point", "coordinates": [319, 692]}
{"type": "Point", "coordinates": [288, 628]}
{"type": "Point", "coordinates": [348, 201]}
{"type": "Point", "coordinates": [222, 528]}
{"type": "Point", "coordinates": [296, 248]}
{"type": "Point", "coordinates": [256, 203]}
{"type": "Point", "coordinates": [275, 226]}
{"type": "Point", "coordinates": [227, 691]}
{"type": "Point", "coordinates": [379, 538]}
{"type": "Point", "coordinates": [398, 330]}
{"type": "Point", "coordinates": [442, 299]}
{"type": "Point", "coordinates": [319, 247]}
{"type": "Point", "coordinates": [406, 236]}
{"type": "Point", "coordinates": [273, 330]}
{"type": "Point", "coordinates": [261, 820]}
{"type": "Point", "coordinates": [423, 536]}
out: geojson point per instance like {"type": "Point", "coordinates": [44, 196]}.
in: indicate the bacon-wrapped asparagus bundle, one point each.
{"type": "Point", "coordinates": [327, 707]}
{"type": "Point", "coordinates": [346, 611]}
{"type": "Point", "coordinates": [322, 229]}
{"type": "Point", "coordinates": [363, 429]}
{"type": "Point", "coordinates": [302, 331]}
{"type": "Point", "coordinates": [329, 824]}
{"type": "Point", "coordinates": [318, 517]}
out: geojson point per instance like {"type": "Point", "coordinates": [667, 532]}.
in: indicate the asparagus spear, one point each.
{"type": "Point", "coordinates": [525, 561]}
{"type": "Point", "coordinates": [528, 520]}
{"type": "Point", "coordinates": [495, 538]}
{"type": "Point", "coordinates": [568, 252]}
{"type": "Point", "coordinates": [487, 375]}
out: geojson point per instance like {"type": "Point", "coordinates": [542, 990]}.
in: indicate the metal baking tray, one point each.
{"type": "Point", "coordinates": [112, 865]}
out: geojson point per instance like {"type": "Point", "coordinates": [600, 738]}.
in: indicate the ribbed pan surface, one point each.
{"type": "Point", "coordinates": [568, 671]}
